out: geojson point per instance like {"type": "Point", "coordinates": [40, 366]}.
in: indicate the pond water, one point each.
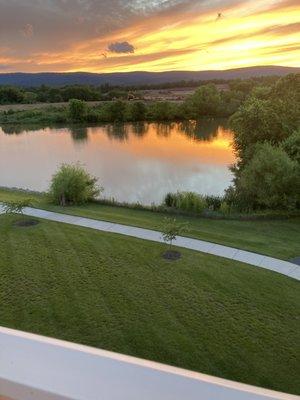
{"type": "Point", "coordinates": [134, 162]}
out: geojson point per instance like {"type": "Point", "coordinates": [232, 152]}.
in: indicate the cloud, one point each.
{"type": "Point", "coordinates": [27, 31]}
{"type": "Point", "coordinates": [121, 47]}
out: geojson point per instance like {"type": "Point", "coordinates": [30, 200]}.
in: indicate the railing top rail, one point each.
{"type": "Point", "coordinates": [37, 367]}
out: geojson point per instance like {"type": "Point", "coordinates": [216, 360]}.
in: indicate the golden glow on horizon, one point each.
{"type": "Point", "coordinates": [250, 33]}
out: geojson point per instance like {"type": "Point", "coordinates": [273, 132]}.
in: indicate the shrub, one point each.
{"type": "Point", "coordinates": [170, 200]}
{"type": "Point", "coordinates": [136, 111]}
{"type": "Point", "coordinates": [213, 202]}
{"type": "Point", "coordinates": [162, 111]}
{"type": "Point", "coordinates": [113, 111]}
{"type": "Point", "coordinates": [77, 110]}
{"type": "Point", "coordinates": [71, 184]}
{"type": "Point", "coordinates": [224, 208]}
{"type": "Point", "coordinates": [93, 116]}
{"type": "Point", "coordinates": [271, 179]}
{"type": "Point", "coordinates": [186, 201]}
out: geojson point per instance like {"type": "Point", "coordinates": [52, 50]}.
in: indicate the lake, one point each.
{"type": "Point", "coordinates": [134, 162]}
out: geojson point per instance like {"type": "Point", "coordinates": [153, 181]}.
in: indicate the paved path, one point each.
{"type": "Point", "coordinates": [258, 260]}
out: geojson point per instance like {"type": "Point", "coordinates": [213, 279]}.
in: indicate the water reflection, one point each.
{"type": "Point", "coordinates": [134, 162]}
{"type": "Point", "coordinates": [79, 133]}
{"type": "Point", "coordinates": [203, 130]}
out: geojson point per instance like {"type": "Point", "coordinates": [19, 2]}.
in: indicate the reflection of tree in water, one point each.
{"type": "Point", "coordinates": [203, 130]}
{"type": "Point", "coordinates": [121, 131]}
{"type": "Point", "coordinates": [117, 132]}
{"type": "Point", "coordinates": [79, 133]}
{"type": "Point", "coordinates": [140, 129]}
{"type": "Point", "coordinates": [19, 129]}
{"type": "Point", "coordinates": [164, 129]}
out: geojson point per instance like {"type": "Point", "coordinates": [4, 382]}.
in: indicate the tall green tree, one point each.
{"type": "Point", "coordinates": [292, 146]}
{"type": "Point", "coordinates": [205, 101]}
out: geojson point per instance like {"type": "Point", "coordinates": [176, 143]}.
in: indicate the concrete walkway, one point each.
{"type": "Point", "coordinates": [258, 260]}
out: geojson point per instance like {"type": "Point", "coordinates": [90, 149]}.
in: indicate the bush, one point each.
{"type": "Point", "coordinates": [186, 201]}
{"type": "Point", "coordinates": [113, 111]}
{"type": "Point", "coordinates": [170, 200]}
{"type": "Point", "coordinates": [77, 110]}
{"type": "Point", "coordinates": [271, 179]}
{"type": "Point", "coordinates": [213, 202]}
{"type": "Point", "coordinates": [225, 208]}
{"type": "Point", "coordinates": [71, 184]}
{"type": "Point", "coordinates": [136, 111]}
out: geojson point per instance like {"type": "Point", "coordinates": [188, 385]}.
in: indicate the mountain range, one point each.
{"type": "Point", "coordinates": [136, 78]}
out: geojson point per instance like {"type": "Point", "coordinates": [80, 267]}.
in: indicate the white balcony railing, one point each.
{"type": "Point", "coordinates": [33, 367]}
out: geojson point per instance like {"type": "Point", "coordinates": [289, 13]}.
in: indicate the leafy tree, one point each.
{"type": "Point", "coordinates": [255, 122]}
{"type": "Point", "coordinates": [10, 95]}
{"type": "Point", "coordinates": [77, 110]}
{"type": "Point", "coordinates": [242, 85]}
{"type": "Point", "coordinates": [292, 146]}
{"type": "Point", "coordinates": [171, 229]}
{"type": "Point", "coordinates": [261, 92]}
{"type": "Point", "coordinates": [205, 101]}
{"type": "Point", "coordinates": [287, 87]}
{"type": "Point", "coordinates": [71, 184]}
{"type": "Point", "coordinates": [271, 179]}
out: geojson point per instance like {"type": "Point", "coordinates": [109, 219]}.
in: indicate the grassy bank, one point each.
{"type": "Point", "coordinates": [277, 238]}
{"type": "Point", "coordinates": [202, 312]}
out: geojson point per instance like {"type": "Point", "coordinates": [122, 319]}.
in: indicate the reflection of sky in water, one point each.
{"type": "Point", "coordinates": [133, 162]}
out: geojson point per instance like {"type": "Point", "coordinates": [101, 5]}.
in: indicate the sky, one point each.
{"type": "Point", "coordinates": [147, 35]}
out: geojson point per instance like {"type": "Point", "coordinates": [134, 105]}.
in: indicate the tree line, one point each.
{"type": "Point", "coordinates": [48, 94]}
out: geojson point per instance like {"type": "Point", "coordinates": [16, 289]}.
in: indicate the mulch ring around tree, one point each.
{"type": "Point", "coordinates": [171, 255]}
{"type": "Point", "coordinates": [25, 223]}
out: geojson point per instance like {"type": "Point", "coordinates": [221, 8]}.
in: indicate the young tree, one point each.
{"type": "Point", "coordinates": [171, 229]}
{"type": "Point", "coordinates": [17, 206]}
{"type": "Point", "coordinates": [71, 184]}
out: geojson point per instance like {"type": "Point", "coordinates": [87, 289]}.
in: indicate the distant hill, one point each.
{"type": "Point", "coordinates": [137, 78]}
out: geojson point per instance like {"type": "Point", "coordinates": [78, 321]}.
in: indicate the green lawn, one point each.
{"type": "Point", "coordinates": [202, 312]}
{"type": "Point", "coordinates": [277, 238]}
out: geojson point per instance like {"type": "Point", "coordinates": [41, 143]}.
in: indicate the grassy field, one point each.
{"type": "Point", "coordinates": [40, 106]}
{"type": "Point", "coordinates": [201, 312]}
{"type": "Point", "coordinates": [277, 238]}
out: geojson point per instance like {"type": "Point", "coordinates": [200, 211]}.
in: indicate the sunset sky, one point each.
{"type": "Point", "coordinates": [148, 35]}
